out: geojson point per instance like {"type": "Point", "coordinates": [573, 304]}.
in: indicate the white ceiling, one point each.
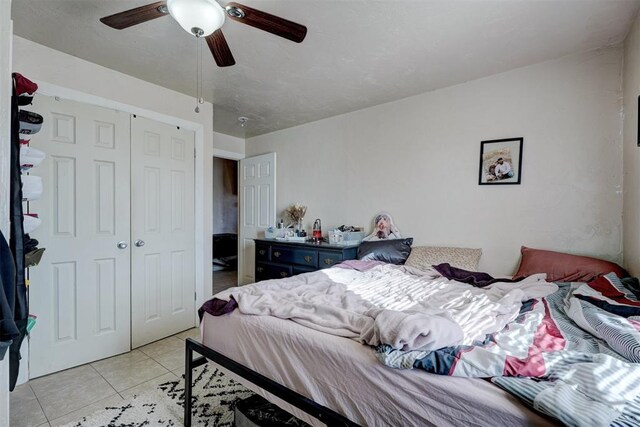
{"type": "Point", "coordinates": [357, 53]}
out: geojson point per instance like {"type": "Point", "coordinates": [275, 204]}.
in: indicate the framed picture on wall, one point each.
{"type": "Point", "coordinates": [501, 161]}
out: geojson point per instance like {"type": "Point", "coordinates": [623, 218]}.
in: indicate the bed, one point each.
{"type": "Point", "coordinates": [344, 375]}
{"type": "Point", "coordinates": [335, 379]}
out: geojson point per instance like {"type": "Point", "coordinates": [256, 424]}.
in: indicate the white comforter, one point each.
{"type": "Point", "coordinates": [394, 305]}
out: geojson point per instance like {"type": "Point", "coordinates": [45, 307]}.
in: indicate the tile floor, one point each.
{"type": "Point", "coordinates": [69, 395]}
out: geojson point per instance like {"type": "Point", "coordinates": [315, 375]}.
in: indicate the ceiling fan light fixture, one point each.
{"type": "Point", "coordinates": [197, 17]}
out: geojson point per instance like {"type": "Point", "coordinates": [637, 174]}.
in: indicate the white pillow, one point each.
{"type": "Point", "coordinates": [423, 257]}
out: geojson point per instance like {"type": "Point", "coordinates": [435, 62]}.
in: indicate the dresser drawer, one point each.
{"type": "Point", "coordinates": [263, 252]}
{"type": "Point", "coordinates": [328, 259]}
{"type": "Point", "coordinates": [265, 271]}
{"type": "Point", "coordinates": [261, 271]}
{"type": "Point", "coordinates": [279, 271]}
{"type": "Point", "coordinates": [279, 259]}
{"type": "Point", "coordinates": [306, 257]}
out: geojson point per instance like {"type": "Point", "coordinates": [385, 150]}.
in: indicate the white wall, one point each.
{"type": "Point", "coordinates": [6, 31]}
{"type": "Point", "coordinates": [631, 90]}
{"type": "Point", "coordinates": [418, 158]}
{"type": "Point", "coordinates": [231, 145]}
{"type": "Point", "coordinates": [43, 64]}
{"type": "Point", "coordinates": [5, 111]}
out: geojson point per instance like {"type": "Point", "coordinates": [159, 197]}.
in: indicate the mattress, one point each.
{"type": "Point", "coordinates": [345, 376]}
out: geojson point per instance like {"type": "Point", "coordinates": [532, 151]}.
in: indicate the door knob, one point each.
{"type": "Point", "coordinates": [139, 243]}
{"type": "Point", "coordinates": [122, 244]}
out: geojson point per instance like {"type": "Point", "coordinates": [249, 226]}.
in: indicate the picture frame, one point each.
{"type": "Point", "coordinates": [501, 161]}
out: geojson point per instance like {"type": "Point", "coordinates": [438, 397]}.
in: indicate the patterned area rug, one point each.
{"type": "Point", "coordinates": [214, 397]}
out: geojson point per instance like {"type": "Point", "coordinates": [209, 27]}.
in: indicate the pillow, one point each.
{"type": "Point", "coordinates": [423, 257]}
{"type": "Point", "coordinates": [561, 267]}
{"type": "Point", "coordinates": [394, 251]}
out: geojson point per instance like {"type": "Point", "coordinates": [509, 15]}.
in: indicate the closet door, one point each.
{"type": "Point", "coordinates": [80, 289]}
{"type": "Point", "coordinates": [162, 230]}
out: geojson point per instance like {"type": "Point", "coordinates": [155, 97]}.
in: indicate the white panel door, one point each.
{"type": "Point", "coordinates": [257, 183]}
{"type": "Point", "coordinates": [162, 230]}
{"type": "Point", "coordinates": [80, 290]}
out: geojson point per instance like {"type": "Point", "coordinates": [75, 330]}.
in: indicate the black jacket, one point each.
{"type": "Point", "coordinates": [16, 244]}
{"type": "Point", "coordinates": [8, 329]}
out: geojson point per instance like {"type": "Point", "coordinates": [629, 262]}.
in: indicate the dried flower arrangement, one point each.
{"type": "Point", "coordinates": [296, 212]}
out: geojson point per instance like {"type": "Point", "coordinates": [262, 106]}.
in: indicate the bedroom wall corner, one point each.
{"type": "Point", "coordinates": [631, 155]}
{"type": "Point", "coordinates": [418, 158]}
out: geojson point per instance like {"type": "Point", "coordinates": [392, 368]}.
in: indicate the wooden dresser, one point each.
{"type": "Point", "coordinates": [276, 259]}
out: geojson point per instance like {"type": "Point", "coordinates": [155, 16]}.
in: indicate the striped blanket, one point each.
{"type": "Point", "coordinates": [573, 355]}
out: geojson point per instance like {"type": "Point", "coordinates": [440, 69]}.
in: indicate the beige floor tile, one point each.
{"type": "Point", "coordinates": [25, 409]}
{"type": "Point", "coordinates": [129, 369]}
{"type": "Point", "coordinates": [190, 333]}
{"type": "Point", "coordinates": [169, 352]}
{"type": "Point", "coordinates": [55, 381]}
{"type": "Point", "coordinates": [45, 425]}
{"type": "Point", "coordinates": [158, 348]}
{"type": "Point", "coordinates": [70, 390]}
{"type": "Point", "coordinates": [87, 410]}
{"type": "Point", "coordinates": [180, 372]}
{"type": "Point", "coordinates": [147, 386]}
{"type": "Point", "coordinates": [22, 392]}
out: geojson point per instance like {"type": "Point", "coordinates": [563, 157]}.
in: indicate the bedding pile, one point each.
{"type": "Point", "coordinates": [573, 355]}
{"type": "Point", "coordinates": [378, 303]}
{"type": "Point", "coordinates": [569, 350]}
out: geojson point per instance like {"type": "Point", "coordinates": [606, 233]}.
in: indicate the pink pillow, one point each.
{"type": "Point", "coordinates": [561, 267]}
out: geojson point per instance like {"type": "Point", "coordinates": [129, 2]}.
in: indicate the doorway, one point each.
{"type": "Point", "coordinates": [225, 224]}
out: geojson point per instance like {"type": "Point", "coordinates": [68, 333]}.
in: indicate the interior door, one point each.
{"type": "Point", "coordinates": [257, 184]}
{"type": "Point", "coordinates": [162, 230]}
{"type": "Point", "coordinates": [80, 289]}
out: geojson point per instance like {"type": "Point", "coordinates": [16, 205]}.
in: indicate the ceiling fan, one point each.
{"type": "Point", "coordinates": [204, 18]}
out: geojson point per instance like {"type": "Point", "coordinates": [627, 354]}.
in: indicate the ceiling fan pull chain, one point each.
{"type": "Point", "coordinates": [198, 73]}
{"type": "Point", "coordinates": [200, 42]}
{"type": "Point", "coordinates": [197, 109]}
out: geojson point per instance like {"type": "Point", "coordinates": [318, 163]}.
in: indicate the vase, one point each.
{"type": "Point", "coordinates": [298, 227]}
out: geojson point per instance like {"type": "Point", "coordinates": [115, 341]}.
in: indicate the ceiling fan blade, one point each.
{"type": "Point", "coordinates": [220, 49]}
{"type": "Point", "coordinates": [266, 22]}
{"type": "Point", "coordinates": [136, 16]}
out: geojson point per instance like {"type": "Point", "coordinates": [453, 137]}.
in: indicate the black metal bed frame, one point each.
{"type": "Point", "coordinates": [322, 413]}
